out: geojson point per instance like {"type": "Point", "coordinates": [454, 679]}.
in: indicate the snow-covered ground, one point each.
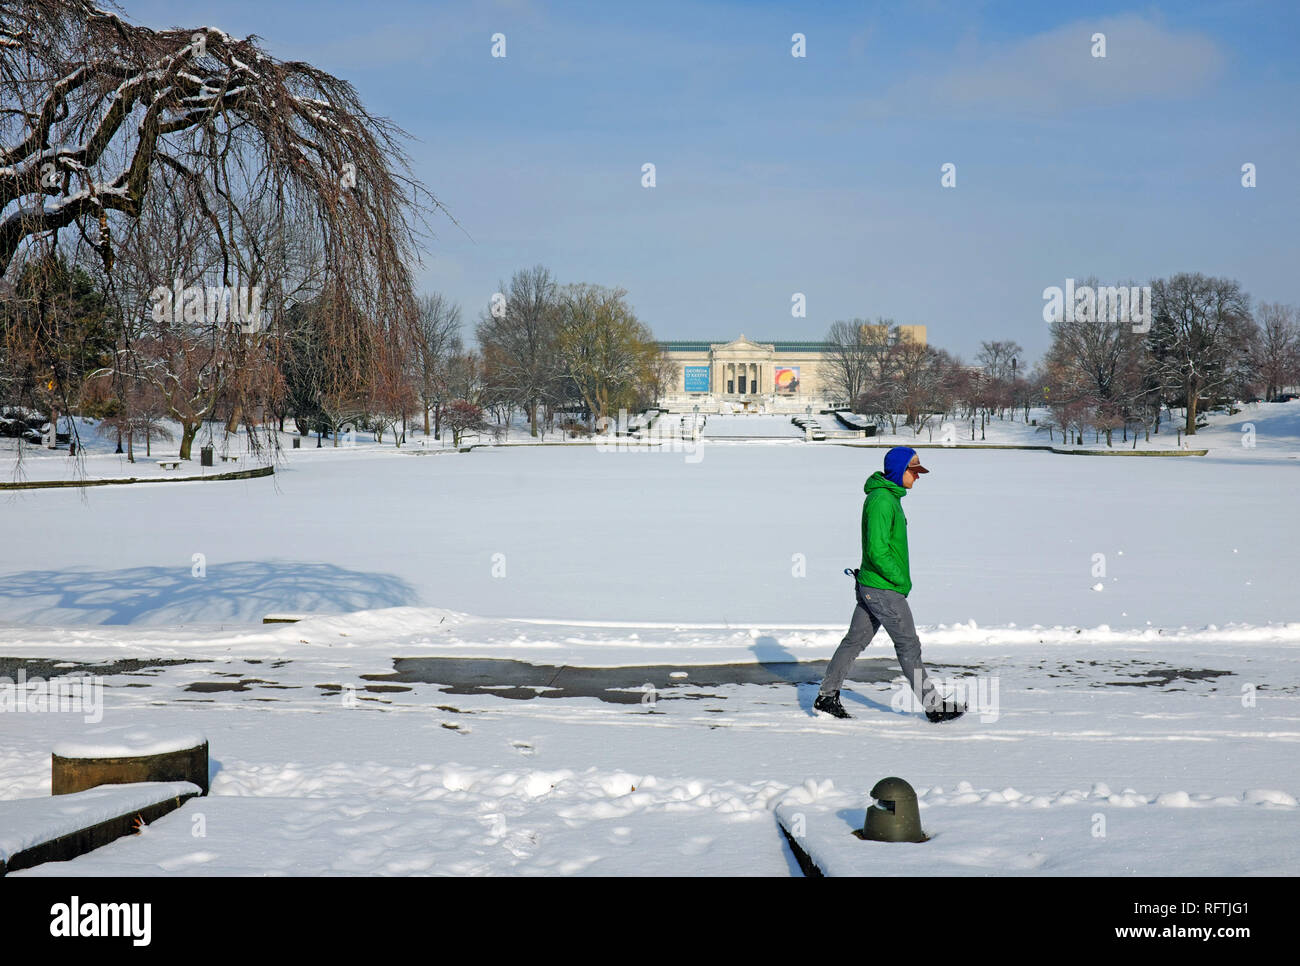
{"type": "Point", "coordinates": [1134, 621]}
{"type": "Point", "coordinates": [325, 765]}
{"type": "Point", "coordinates": [720, 535]}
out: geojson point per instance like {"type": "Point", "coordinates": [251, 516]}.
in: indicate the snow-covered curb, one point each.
{"type": "Point", "coordinates": [29, 822]}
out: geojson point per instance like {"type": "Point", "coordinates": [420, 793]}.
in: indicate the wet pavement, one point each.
{"type": "Point", "coordinates": [615, 685]}
{"type": "Point", "coordinates": [47, 668]}
{"type": "Point", "coordinates": [521, 680]}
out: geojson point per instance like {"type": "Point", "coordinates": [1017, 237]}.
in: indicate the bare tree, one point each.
{"type": "Point", "coordinates": [185, 357]}
{"type": "Point", "coordinates": [880, 394]}
{"type": "Point", "coordinates": [1200, 336]}
{"type": "Point", "coordinates": [1277, 355]}
{"type": "Point", "coordinates": [437, 340]}
{"type": "Point", "coordinates": [848, 365]}
{"type": "Point", "coordinates": [660, 375]}
{"type": "Point", "coordinates": [919, 374]}
{"type": "Point", "coordinates": [465, 378]}
{"type": "Point", "coordinates": [879, 339]}
{"type": "Point", "coordinates": [1098, 360]}
{"type": "Point", "coordinates": [519, 339]}
{"type": "Point", "coordinates": [996, 357]}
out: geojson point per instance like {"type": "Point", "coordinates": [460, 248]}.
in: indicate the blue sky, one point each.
{"type": "Point", "coordinates": [821, 174]}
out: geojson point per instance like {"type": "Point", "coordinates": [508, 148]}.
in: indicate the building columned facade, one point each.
{"type": "Point", "coordinates": [748, 376]}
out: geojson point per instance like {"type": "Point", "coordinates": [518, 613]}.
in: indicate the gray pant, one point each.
{"type": "Point", "coordinates": [876, 607]}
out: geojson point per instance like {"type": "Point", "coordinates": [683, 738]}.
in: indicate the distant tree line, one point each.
{"type": "Point", "coordinates": [877, 370]}
{"type": "Point", "coordinates": [76, 342]}
{"type": "Point", "coordinates": [1202, 346]}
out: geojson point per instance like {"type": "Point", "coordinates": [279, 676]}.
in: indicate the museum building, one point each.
{"type": "Point", "coordinates": [748, 376]}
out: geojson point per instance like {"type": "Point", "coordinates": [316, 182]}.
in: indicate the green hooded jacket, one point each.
{"type": "Point", "coordinates": [884, 537]}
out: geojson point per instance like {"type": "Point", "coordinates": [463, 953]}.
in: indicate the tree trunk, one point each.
{"type": "Point", "coordinates": [1191, 411]}
{"type": "Point", "coordinates": [426, 420]}
{"type": "Point", "coordinates": [189, 430]}
{"type": "Point", "coordinates": [130, 446]}
{"type": "Point", "coordinates": [232, 423]}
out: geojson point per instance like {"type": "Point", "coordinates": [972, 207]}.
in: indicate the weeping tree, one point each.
{"type": "Point", "coordinates": [266, 178]}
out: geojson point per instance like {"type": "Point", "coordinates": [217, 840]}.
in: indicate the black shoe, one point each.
{"type": "Point", "coordinates": [830, 703]}
{"type": "Point", "coordinates": [946, 712]}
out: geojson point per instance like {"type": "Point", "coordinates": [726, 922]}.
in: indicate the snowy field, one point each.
{"type": "Point", "coordinates": [568, 532]}
{"type": "Point", "coordinates": [1132, 625]}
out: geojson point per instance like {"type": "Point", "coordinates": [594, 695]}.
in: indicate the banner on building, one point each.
{"type": "Point", "coordinates": [697, 378]}
{"type": "Point", "coordinates": [786, 379]}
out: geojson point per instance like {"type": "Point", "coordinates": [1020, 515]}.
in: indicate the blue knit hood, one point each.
{"type": "Point", "coordinates": [896, 461]}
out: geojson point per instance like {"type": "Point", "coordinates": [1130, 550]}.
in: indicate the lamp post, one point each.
{"type": "Point", "coordinates": [1013, 389]}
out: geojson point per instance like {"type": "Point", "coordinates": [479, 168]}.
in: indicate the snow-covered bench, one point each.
{"type": "Point", "coordinates": [56, 829]}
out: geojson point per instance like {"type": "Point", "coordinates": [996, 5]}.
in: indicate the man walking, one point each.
{"type": "Point", "coordinates": [883, 583]}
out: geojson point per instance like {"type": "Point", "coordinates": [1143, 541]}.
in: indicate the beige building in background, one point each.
{"type": "Point", "coordinates": [749, 376]}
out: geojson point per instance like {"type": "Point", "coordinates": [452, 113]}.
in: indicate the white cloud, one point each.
{"type": "Point", "coordinates": [1054, 72]}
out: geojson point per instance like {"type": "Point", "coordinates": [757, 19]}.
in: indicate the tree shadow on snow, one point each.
{"type": "Point", "coordinates": [242, 590]}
